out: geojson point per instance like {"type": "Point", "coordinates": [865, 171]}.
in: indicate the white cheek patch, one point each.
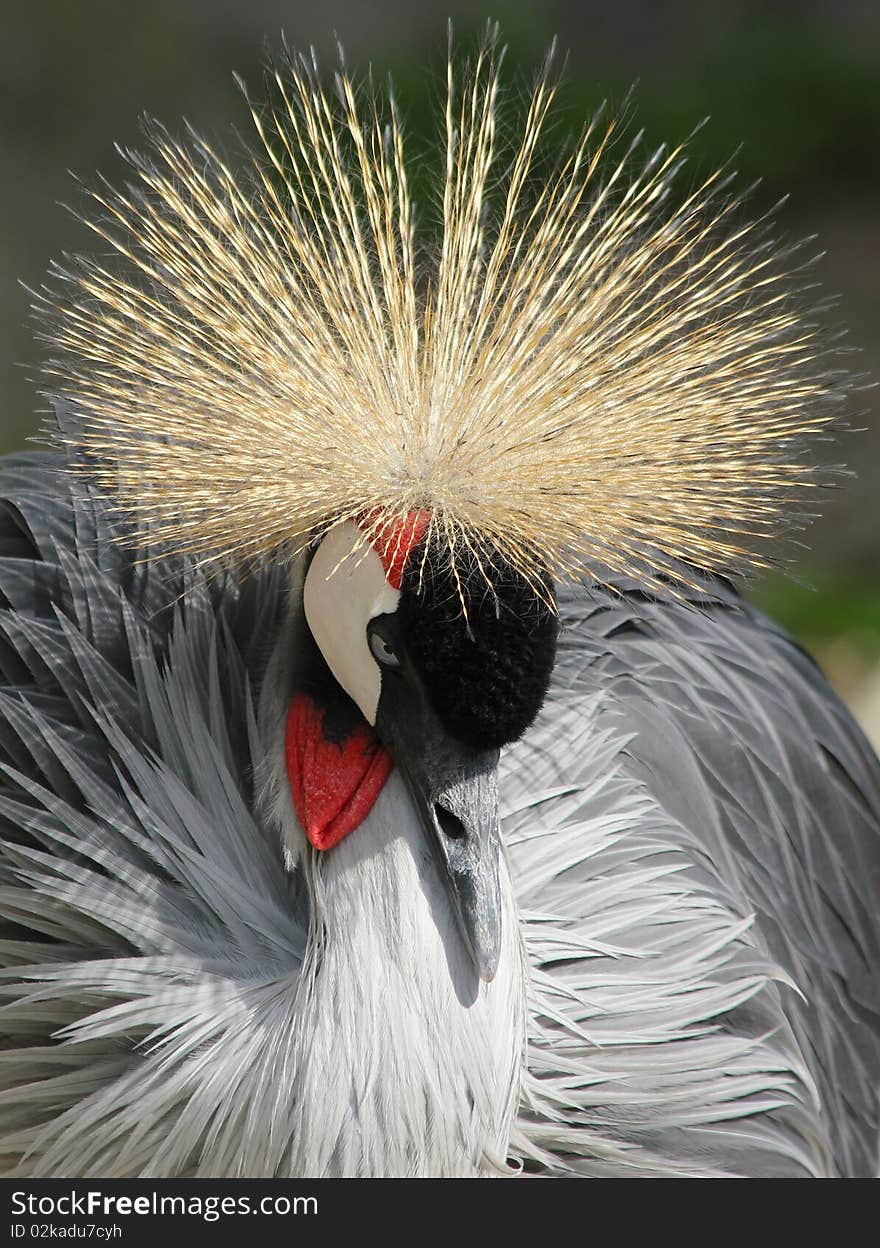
{"type": "Point", "coordinates": [344, 589]}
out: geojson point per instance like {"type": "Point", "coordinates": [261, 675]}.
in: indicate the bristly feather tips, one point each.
{"type": "Point", "coordinates": [595, 367]}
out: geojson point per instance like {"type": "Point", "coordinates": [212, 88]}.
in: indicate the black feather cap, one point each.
{"type": "Point", "coordinates": [485, 672]}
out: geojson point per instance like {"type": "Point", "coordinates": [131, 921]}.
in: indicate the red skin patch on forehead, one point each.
{"type": "Point", "coordinates": [333, 784]}
{"type": "Point", "coordinates": [395, 540]}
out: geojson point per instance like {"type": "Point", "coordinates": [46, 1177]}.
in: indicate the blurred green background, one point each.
{"type": "Point", "coordinates": [796, 84]}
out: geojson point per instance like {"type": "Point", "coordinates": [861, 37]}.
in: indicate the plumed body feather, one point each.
{"type": "Point", "coordinates": [691, 832]}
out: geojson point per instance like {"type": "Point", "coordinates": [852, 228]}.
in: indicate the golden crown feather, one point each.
{"type": "Point", "coordinates": [591, 368]}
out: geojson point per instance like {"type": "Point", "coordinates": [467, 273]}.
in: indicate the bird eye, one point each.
{"type": "Point", "coordinates": [382, 651]}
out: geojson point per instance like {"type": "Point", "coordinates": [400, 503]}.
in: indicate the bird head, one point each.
{"type": "Point", "coordinates": [434, 667]}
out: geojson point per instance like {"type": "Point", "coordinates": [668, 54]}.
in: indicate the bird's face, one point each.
{"type": "Point", "coordinates": [400, 676]}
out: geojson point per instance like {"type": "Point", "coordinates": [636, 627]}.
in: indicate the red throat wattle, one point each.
{"type": "Point", "coordinates": [335, 783]}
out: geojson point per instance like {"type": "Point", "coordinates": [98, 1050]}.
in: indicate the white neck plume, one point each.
{"type": "Point", "coordinates": [407, 1064]}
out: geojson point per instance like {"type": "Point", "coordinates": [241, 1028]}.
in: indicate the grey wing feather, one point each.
{"type": "Point", "coordinates": [146, 918]}
{"type": "Point", "coordinates": [722, 1013]}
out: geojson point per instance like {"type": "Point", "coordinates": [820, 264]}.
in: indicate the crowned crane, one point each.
{"type": "Point", "coordinates": [393, 782]}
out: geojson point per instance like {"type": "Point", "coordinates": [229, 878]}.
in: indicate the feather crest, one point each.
{"type": "Point", "coordinates": [587, 369]}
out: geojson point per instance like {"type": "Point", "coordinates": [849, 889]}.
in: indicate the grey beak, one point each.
{"type": "Point", "coordinates": [464, 821]}
{"type": "Point", "coordinates": [454, 789]}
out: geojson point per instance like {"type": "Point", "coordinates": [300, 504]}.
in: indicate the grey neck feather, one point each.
{"type": "Point", "coordinates": [436, 1089]}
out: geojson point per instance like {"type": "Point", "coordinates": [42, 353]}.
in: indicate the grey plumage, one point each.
{"type": "Point", "coordinates": [692, 834]}
{"type": "Point", "coordinates": [764, 804]}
